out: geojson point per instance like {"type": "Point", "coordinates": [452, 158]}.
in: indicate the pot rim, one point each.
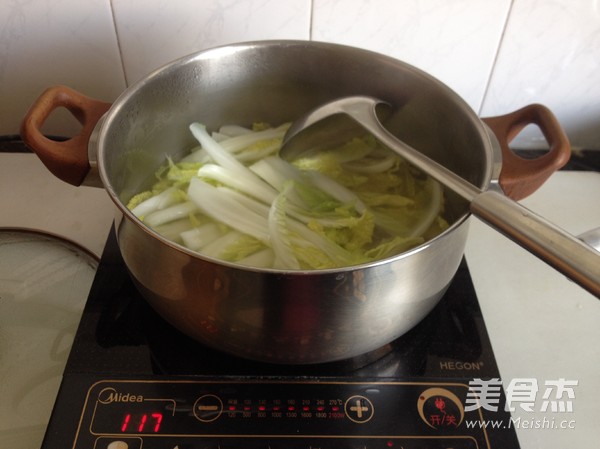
{"type": "Point", "coordinates": [97, 148]}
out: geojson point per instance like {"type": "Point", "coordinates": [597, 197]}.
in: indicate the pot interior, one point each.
{"type": "Point", "coordinates": [276, 82]}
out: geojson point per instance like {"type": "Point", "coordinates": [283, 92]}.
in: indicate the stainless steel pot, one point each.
{"type": "Point", "coordinates": [270, 315]}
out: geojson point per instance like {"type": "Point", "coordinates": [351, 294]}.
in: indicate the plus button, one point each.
{"type": "Point", "coordinates": [359, 409]}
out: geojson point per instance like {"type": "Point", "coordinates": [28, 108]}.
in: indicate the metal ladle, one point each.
{"type": "Point", "coordinates": [564, 252]}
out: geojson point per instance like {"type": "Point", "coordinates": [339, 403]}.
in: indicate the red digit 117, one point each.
{"type": "Point", "coordinates": [141, 423]}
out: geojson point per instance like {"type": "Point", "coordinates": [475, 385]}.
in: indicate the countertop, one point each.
{"type": "Point", "coordinates": [542, 326]}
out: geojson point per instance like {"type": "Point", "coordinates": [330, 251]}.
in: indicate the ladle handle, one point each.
{"type": "Point", "coordinates": [566, 253]}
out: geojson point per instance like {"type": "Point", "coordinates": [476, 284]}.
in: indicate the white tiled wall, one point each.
{"type": "Point", "coordinates": [163, 30]}
{"type": "Point", "coordinates": [497, 54]}
{"type": "Point", "coordinates": [455, 41]}
{"type": "Point", "coordinates": [550, 54]}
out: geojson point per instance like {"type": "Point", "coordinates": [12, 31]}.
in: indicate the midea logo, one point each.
{"type": "Point", "coordinates": [109, 395]}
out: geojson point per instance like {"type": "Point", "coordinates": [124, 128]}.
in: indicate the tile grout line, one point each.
{"type": "Point", "coordinates": [114, 19]}
{"type": "Point", "coordinates": [496, 56]}
{"type": "Point", "coordinates": [311, 18]}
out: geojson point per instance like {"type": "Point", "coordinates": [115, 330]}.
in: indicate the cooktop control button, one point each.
{"type": "Point", "coordinates": [208, 408]}
{"type": "Point", "coordinates": [118, 443]}
{"type": "Point", "coordinates": [359, 409]}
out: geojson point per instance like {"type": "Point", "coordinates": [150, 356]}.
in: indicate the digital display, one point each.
{"type": "Point", "coordinates": [126, 412]}
{"type": "Point", "coordinates": [141, 422]}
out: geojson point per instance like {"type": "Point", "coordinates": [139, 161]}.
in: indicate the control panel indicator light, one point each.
{"type": "Point", "coordinates": [262, 408]}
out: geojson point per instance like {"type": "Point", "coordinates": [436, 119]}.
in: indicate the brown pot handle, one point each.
{"type": "Point", "coordinates": [67, 160]}
{"type": "Point", "coordinates": [521, 177]}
